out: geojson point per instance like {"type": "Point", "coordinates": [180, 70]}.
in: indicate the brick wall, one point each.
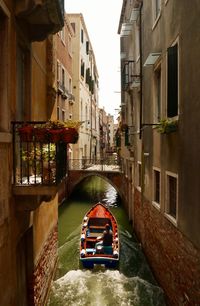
{"type": "Point", "coordinates": [173, 258]}
{"type": "Point", "coordinates": [45, 268]}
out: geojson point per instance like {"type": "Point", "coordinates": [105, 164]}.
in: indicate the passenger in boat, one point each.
{"type": "Point", "coordinates": [106, 239]}
{"type": "Point", "coordinates": [107, 236]}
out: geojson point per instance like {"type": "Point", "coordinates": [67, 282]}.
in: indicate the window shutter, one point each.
{"type": "Point", "coordinates": [87, 47]}
{"type": "Point", "coordinates": [172, 89]}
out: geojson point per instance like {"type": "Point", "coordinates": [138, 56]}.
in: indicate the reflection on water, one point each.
{"type": "Point", "coordinates": [132, 284]}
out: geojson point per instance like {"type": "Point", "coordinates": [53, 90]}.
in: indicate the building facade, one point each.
{"type": "Point", "coordinates": [64, 107]}
{"type": "Point", "coordinates": [85, 89]}
{"type": "Point", "coordinates": [160, 78]}
{"type": "Point", "coordinates": [28, 215]}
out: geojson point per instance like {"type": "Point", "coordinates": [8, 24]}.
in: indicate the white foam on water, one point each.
{"type": "Point", "coordinates": [88, 288]}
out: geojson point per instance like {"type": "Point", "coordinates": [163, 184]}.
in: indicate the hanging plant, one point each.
{"type": "Point", "coordinates": [166, 126]}
{"type": "Point", "coordinates": [124, 127]}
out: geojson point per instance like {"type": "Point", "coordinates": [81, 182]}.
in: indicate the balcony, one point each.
{"type": "Point", "coordinates": [39, 162]}
{"type": "Point", "coordinates": [40, 17]}
{"type": "Point", "coordinates": [130, 79]}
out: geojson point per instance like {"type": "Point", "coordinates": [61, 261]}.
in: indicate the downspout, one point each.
{"type": "Point", "coordinates": [141, 76]}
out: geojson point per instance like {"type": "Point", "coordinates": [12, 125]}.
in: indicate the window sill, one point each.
{"type": "Point", "coordinates": [171, 219]}
{"type": "Point", "coordinates": [139, 188]}
{"type": "Point", "coordinates": [156, 205]}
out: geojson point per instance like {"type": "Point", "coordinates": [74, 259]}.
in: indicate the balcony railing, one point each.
{"type": "Point", "coordinates": [37, 159]}
{"type": "Point", "coordinates": [112, 163]}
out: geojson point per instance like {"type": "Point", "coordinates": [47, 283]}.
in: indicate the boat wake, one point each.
{"type": "Point", "coordinates": [133, 284]}
{"type": "Point", "coordinates": [103, 288]}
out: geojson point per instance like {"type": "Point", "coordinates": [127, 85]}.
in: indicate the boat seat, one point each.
{"type": "Point", "coordinates": [94, 235]}
{"type": "Point", "coordinates": [90, 251]}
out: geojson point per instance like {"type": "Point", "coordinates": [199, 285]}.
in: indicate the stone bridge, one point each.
{"type": "Point", "coordinates": [113, 178]}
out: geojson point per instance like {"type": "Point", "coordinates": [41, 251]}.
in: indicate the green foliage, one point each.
{"type": "Point", "coordinates": [166, 126]}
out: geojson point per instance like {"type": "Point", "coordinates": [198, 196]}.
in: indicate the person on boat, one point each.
{"type": "Point", "coordinates": [107, 236]}
{"type": "Point", "coordinates": [106, 239]}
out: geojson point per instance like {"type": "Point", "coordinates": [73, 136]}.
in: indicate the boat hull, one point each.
{"type": "Point", "coordinates": [93, 225]}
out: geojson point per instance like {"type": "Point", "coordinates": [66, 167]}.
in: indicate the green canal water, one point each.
{"type": "Point", "coordinates": [132, 284]}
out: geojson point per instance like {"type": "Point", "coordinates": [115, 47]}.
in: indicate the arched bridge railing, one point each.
{"type": "Point", "coordinates": [102, 164]}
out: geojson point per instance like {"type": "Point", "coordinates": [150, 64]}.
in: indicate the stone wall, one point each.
{"type": "Point", "coordinates": [45, 268]}
{"type": "Point", "coordinates": [173, 258]}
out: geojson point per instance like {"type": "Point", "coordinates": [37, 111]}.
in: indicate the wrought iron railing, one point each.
{"type": "Point", "coordinates": [36, 159]}
{"type": "Point", "coordinates": [112, 163]}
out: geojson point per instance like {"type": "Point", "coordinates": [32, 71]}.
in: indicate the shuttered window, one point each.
{"type": "Point", "coordinates": [172, 85]}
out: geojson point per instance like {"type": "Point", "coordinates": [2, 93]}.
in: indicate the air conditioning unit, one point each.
{"type": "Point", "coordinates": [134, 14]}
{"type": "Point", "coordinates": [123, 55]}
{"type": "Point", "coordinates": [126, 29]}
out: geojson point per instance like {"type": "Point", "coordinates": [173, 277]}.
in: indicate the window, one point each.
{"type": "Point", "coordinates": [73, 26]}
{"type": "Point", "coordinates": [58, 71]}
{"type": "Point", "coordinates": [156, 5]}
{"type": "Point", "coordinates": [82, 69]}
{"type": "Point", "coordinates": [172, 81]}
{"type": "Point", "coordinates": [70, 85]}
{"type": "Point", "coordinates": [63, 77]}
{"type": "Point", "coordinates": [171, 205]}
{"type": "Point", "coordinates": [137, 43]}
{"type": "Point", "coordinates": [139, 174]}
{"type": "Point", "coordinates": [63, 115]}
{"type": "Point", "coordinates": [156, 186]}
{"type": "Point", "coordinates": [58, 113]}
{"type": "Point", "coordinates": [87, 47]}
{"type": "Point", "coordinates": [82, 36]}
{"type": "Point", "coordinates": [62, 34]}
{"type": "Point", "coordinates": [70, 45]}
{"type": "Point", "coordinates": [157, 101]}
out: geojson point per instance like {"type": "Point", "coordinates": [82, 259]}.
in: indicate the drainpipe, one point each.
{"type": "Point", "coordinates": [141, 76]}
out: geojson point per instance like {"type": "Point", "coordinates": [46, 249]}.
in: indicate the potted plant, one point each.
{"type": "Point", "coordinates": [124, 127]}
{"type": "Point", "coordinates": [166, 126]}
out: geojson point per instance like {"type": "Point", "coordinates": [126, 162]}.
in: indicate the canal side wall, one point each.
{"type": "Point", "coordinates": [45, 268]}
{"type": "Point", "coordinates": [173, 258]}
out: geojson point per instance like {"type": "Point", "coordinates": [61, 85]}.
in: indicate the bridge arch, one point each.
{"type": "Point", "coordinates": [75, 177]}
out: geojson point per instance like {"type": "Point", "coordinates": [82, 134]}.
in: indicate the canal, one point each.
{"type": "Point", "coordinates": [132, 284]}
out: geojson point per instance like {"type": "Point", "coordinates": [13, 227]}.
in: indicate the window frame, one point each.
{"type": "Point", "coordinates": [139, 175]}
{"type": "Point", "coordinates": [168, 215]}
{"type": "Point", "coordinates": [154, 202]}
{"type": "Point", "coordinates": [156, 15]}
{"type": "Point", "coordinates": [176, 41]}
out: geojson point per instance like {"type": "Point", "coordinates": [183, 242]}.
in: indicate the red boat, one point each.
{"type": "Point", "coordinates": [92, 229]}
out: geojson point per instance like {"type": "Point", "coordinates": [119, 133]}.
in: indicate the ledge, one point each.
{"type": "Point", "coordinates": [42, 17]}
{"type": "Point", "coordinates": [5, 137]}
{"type": "Point", "coordinates": [30, 197]}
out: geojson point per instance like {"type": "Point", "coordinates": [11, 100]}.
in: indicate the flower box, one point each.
{"type": "Point", "coordinates": [41, 135]}
{"type": "Point", "coordinates": [25, 133]}
{"type": "Point", "coordinates": [70, 135]}
{"type": "Point", "coordinates": [55, 135]}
